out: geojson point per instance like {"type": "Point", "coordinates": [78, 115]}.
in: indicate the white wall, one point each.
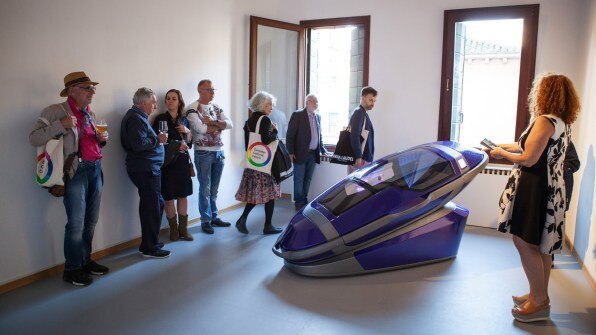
{"type": "Point", "coordinates": [128, 44]}
{"type": "Point", "coordinates": [581, 215]}
{"type": "Point", "coordinates": [123, 45]}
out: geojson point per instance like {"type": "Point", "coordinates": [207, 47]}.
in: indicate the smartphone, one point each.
{"type": "Point", "coordinates": [488, 143]}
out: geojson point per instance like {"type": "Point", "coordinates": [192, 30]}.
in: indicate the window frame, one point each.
{"type": "Point", "coordinates": [339, 22]}
{"type": "Point", "coordinates": [255, 22]}
{"type": "Point", "coordinates": [530, 15]}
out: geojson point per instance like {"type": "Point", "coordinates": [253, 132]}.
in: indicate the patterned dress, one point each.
{"type": "Point", "coordinates": [532, 205]}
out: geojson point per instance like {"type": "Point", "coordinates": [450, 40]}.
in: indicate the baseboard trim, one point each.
{"type": "Point", "coordinates": [581, 263]}
{"type": "Point", "coordinates": [43, 274]}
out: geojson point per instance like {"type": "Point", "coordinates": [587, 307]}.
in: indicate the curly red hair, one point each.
{"type": "Point", "coordinates": [554, 94]}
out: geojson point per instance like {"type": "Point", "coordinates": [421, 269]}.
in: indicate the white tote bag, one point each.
{"type": "Point", "coordinates": [259, 156]}
{"type": "Point", "coordinates": [50, 161]}
{"type": "Point", "coordinates": [364, 135]}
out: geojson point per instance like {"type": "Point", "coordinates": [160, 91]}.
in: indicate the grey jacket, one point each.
{"type": "Point", "coordinates": [42, 133]}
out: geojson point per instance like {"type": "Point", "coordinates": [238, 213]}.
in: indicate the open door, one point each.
{"type": "Point", "coordinates": [276, 65]}
{"type": "Point", "coordinates": [327, 57]}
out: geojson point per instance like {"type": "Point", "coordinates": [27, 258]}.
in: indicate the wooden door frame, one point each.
{"type": "Point", "coordinates": [255, 22]}
{"type": "Point", "coordinates": [529, 13]}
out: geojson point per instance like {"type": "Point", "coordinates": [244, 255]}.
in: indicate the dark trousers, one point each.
{"type": "Point", "coordinates": [302, 178]}
{"type": "Point", "coordinates": [568, 178]}
{"type": "Point", "coordinates": [150, 207]}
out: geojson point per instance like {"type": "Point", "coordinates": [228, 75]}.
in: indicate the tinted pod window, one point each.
{"type": "Point", "coordinates": [421, 169]}
{"type": "Point", "coordinates": [416, 170]}
{"type": "Point", "coordinates": [346, 196]}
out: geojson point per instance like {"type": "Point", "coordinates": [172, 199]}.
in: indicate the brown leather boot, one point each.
{"type": "Point", "coordinates": [173, 228]}
{"type": "Point", "coordinates": [182, 228]}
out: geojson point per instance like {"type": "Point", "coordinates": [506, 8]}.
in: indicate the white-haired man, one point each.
{"type": "Point", "coordinates": [305, 145]}
{"type": "Point", "coordinates": [144, 158]}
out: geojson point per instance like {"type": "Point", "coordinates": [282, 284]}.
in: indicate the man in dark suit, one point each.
{"type": "Point", "coordinates": [305, 145]}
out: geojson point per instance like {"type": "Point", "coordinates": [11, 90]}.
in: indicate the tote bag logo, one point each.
{"type": "Point", "coordinates": [49, 169]}
{"type": "Point", "coordinates": [258, 154]}
{"type": "Point", "coordinates": [44, 168]}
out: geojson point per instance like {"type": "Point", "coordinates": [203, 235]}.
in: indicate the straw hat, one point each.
{"type": "Point", "coordinates": [75, 78]}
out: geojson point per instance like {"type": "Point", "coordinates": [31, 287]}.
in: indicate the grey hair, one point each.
{"type": "Point", "coordinates": [308, 97]}
{"type": "Point", "coordinates": [141, 95]}
{"type": "Point", "coordinates": [258, 101]}
{"type": "Point", "coordinates": [203, 82]}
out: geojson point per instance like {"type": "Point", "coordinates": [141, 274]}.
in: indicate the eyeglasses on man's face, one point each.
{"type": "Point", "coordinates": [210, 90]}
{"type": "Point", "coordinates": [89, 88]}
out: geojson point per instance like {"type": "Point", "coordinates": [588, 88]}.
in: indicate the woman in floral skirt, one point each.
{"type": "Point", "coordinates": [258, 187]}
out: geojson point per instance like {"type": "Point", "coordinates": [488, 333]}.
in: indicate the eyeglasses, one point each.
{"type": "Point", "coordinates": [90, 88]}
{"type": "Point", "coordinates": [210, 90]}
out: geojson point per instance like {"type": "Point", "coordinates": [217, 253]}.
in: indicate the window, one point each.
{"type": "Point", "coordinates": [337, 68]}
{"type": "Point", "coordinates": [487, 73]}
{"type": "Point", "coordinates": [327, 57]}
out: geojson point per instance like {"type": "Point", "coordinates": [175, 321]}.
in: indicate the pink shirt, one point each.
{"type": "Point", "coordinates": [88, 144]}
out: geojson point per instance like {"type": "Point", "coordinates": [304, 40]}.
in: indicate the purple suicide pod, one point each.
{"type": "Point", "coordinates": [393, 213]}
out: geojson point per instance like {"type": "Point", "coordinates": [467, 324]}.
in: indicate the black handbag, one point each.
{"type": "Point", "coordinates": [343, 154]}
{"type": "Point", "coordinates": [172, 152]}
{"type": "Point", "coordinates": [282, 163]}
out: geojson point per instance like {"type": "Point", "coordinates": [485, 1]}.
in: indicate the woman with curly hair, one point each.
{"type": "Point", "coordinates": [532, 207]}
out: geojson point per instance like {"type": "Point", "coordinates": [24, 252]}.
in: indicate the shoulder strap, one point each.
{"type": "Point", "coordinates": [44, 120]}
{"type": "Point", "coordinates": [74, 130]}
{"type": "Point", "coordinates": [258, 126]}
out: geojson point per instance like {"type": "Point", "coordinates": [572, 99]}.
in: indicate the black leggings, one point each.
{"type": "Point", "coordinates": [268, 210]}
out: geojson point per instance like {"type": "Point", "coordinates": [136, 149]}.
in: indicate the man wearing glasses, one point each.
{"type": "Point", "coordinates": [207, 121]}
{"type": "Point", "coordinates": [74, 120]}
{"type": "Point", "coordinates": [305, 145]}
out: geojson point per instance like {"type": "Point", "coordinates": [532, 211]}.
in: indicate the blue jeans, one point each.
{"type": "Point", "coordinates": [150, 207]}
{"type": "Point", "coordinates": [210, 166]}
{"type": "Point", "coordinates": [81, 201]}
{"type": "Point", "coordinates": [302, 177]}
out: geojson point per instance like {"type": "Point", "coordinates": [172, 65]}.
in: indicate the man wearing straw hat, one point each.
{"type": "Point", "coordinates": [74, 120]}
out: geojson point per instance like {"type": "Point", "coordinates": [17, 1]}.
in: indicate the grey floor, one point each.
{"type": "Point", "coordinates": [228, 283]}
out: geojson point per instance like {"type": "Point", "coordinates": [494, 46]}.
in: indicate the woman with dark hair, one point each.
{"type": "Point", "coordinates": [532, 207]}
{"type": "Point", "coordinates": [258, 187]}
{"type": "Point", "coordinates": [176, 182]}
